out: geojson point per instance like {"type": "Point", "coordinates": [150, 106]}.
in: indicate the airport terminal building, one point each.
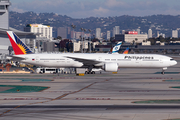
{"type": "Point", "coordinates": [5, 46]}
{"type": "Point", "coordinates": [4, 26]}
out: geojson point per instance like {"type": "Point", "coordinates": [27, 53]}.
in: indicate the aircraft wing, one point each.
{"type": "Point", "coordinates": [86, 62]}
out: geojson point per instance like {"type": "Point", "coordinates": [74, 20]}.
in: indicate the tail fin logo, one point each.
{"type": "Point", "coordinates": [18, 46]}
{"type": "Point", "coordinates": [116, 48]}
{"type": "Point", "coordinates": [126, 51]}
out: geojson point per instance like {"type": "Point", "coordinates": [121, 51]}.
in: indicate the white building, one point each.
{"type": "Point", "coordinates": [95, 43]}
{"type": "Point", "coordinates": [139, 31]}
{"type": "Point", "coordinates": [174, 33]}
{"type": "Point", "coordinates": [123, 31]}
{"type": "Point", "coordinates": [98, 33]}
{"type": "Point", "coordinates": [108, 35]}
{"type": "Point", "coordinates": [85, 44]}
{"type": "Point", "coordinates": [44, 30]}
{"type": "Point", "coordinates": [146, 43]}
{"type": "Point", "coordinates": [115, 31]}
{"type": "Point", "coordinates": [163, 35]}
{"type": "Point", "coordinates": [76, 46]}
{"type": "Point", "coordinates": [149, 33]}
{"type": "Point", "coordinates": [157, 33]}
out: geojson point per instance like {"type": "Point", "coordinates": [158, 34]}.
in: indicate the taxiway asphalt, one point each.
{"type": "Point", "coordinates": [103, 96]}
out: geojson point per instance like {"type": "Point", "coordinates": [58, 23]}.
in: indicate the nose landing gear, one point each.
{"type": "Point", "coordinates": [163, 71]}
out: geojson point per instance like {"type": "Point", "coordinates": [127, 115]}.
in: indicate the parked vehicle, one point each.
{"type": "Point", "coordinates": [47, 70]}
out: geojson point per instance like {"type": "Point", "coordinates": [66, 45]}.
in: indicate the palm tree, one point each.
{"type": "Point", "coordinates": [136, 40]}
{"type": "Point", "coordinates": [59, 37]}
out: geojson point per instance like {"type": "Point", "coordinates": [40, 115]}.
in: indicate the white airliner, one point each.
{"type": "Point", "coordinates": [107, 62]}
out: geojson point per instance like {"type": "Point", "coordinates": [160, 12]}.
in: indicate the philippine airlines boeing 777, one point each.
{"type": "Point", "coordinates": [107, 62]}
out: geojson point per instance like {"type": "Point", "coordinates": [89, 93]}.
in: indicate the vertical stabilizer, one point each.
{"type": "Point", "coordinates": [116, 48]}
{"type": "Point", "coordinates": [18, 46]}
{"type": "Point", "coordinates": [126, 51]}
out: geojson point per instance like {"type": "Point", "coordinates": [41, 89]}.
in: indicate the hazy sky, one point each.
{"type": "Point", "coordinates": [98, 8]}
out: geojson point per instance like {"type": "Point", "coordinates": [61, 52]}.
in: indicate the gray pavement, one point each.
{"type": "Point", "coordinates": [104, 96]}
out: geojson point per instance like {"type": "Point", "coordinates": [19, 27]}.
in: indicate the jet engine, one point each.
{"type": "Point", "coordinates": [110, 67]}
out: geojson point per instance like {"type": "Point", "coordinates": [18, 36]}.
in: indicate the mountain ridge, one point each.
{"type": "Point", "coordinates": [162, 23]}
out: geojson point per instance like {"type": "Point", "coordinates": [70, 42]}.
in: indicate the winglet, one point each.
{"type": "Point", "coordinates": [18, 46]}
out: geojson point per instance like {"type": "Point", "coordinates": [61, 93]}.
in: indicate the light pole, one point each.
{"type": "Point", "coordinates": [89, 40]}
{"type": "Point", "coordinates": [73, 27]}
{"type": "Point", "coordinates": [82, 40]}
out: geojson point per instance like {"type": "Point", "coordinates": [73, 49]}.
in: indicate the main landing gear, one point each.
{"type": "Point", "coordinates": [90, 70]}
{"type": "Point", "coordinates": [163, 71]}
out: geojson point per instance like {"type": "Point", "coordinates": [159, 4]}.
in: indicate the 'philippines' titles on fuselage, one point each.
{"type": "Point", "coordinates": [139, 57]}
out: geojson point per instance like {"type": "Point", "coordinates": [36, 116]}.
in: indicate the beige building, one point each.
{"type": "Point", "coordinates": [146, 43]}
{"type": "Point", "coordinates": [132, 37]}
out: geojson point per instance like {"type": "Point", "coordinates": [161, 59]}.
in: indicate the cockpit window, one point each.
{"type": "Point", "coordinates": [171, 59]}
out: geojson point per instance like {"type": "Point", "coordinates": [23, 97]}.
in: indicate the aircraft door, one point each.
{"type": "Point", "coordinates": [37, 59]}
{"type": "Point", "coordinates": [161, 60]}
{"type": "Point", "coordinates": [100, 59]}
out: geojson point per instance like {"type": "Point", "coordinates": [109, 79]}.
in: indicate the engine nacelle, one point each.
{"type": "Point", "coordinates": [110, 67]}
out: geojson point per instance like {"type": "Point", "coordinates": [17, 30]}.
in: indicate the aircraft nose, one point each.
{"type": "Point", "coordinates": [173, 62]}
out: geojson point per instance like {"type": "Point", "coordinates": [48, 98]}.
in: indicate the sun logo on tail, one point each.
{"type": "Point", "coordinates": [23, 49]}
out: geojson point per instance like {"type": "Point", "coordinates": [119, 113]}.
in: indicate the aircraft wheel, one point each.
{"type": "Point", "coordinates": [86, 72]}
{"type": "Point", "coordinates": [93, 72]}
